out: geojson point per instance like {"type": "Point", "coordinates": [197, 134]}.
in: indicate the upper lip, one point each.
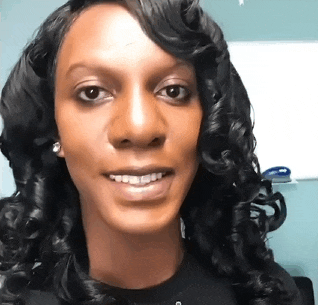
{"type": "Point", "coordinates": [140, 171]}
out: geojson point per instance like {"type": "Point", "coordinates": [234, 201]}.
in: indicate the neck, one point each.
{"type": "Point", "coordinates": [133, 261]}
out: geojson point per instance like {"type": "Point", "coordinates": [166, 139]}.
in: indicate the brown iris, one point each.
{"type": "Point", "coordinates": [92, 92]}
{"type": "Point", "coordinates": [173, 91]}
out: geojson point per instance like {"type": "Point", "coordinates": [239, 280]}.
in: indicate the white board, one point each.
{"type": "Point", "coordinates": [281, 79]}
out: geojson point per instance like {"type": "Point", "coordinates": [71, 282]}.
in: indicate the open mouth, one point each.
{"type": "Point", "coordinates": [141, 184]}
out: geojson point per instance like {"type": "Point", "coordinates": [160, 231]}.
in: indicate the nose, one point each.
{"type": "Point", "coordinates": [137, 122]}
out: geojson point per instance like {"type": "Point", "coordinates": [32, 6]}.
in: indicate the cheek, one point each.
{"type": "Point", "coordinates": [185, 148]}
{"type": "Point", "coordinates": [76, 127]}
{"type": "Point", "coordinates": [187, 130]}
{"type": "Point", "coordinates": [77, 142]}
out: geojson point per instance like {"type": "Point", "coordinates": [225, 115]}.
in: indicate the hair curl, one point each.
{"type": "Point", "coordinates": [41, 233]}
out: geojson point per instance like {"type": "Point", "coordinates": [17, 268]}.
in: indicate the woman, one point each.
{"type": "Point", "coordinates": [120, 119]}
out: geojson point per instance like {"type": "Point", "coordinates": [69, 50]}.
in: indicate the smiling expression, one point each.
{"type": "Point", "coordinates": [128, 116]}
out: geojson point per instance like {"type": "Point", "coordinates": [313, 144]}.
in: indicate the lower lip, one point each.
{"type": "Point", "coordinates": [155, 190]}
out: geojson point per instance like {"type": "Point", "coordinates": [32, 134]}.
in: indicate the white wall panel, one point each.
{"type": "Point", "coordinates": [282, 83]}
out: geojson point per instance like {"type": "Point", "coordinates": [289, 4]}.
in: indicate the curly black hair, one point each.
{"type": "Point", "coordinates": [42, 241]}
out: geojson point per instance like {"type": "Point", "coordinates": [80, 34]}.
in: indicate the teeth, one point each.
{"type": "Point", "coordinates": [134, 180]}
{"type": "Point", "coordinates": [145, 179]}
{"type": "Point", "coordinates": [118, 178]}
{"type": "Point", "coordinates": [140, 180]}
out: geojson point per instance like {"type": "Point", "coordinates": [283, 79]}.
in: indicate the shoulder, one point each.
{"type": "Point", "coordinates": [289, 284]}
{"type": "Point", "coordinates": [35, 297]}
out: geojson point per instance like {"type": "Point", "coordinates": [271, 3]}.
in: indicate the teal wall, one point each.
{"type": "Point", "coordinates": [295, 244]}
{"type": "Point", "coordinates": [266, 20]}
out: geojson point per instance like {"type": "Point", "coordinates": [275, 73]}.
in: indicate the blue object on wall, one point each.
{"type": "Point", "coordinates": [278, 174]}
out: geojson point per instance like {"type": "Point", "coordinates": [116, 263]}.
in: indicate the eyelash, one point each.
{"type": "Point", "coordinates": [185, 98]}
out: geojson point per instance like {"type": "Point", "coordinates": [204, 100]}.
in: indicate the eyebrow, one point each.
{"type": "Point", "coordinates": [98, 68]}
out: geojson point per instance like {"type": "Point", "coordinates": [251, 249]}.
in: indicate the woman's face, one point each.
{"type": "Point", "coordinates": [128, 115]}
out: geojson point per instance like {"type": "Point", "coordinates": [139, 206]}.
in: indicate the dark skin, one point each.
{"type": "Point", "coordinates": [128, 115]}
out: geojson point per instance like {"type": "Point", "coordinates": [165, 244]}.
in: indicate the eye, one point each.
{"type": "Point", "coordinates": [93, 94]}
{"type": "Point", "coordinates": [176, 92]}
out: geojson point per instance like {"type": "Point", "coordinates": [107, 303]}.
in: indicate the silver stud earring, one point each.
{"type": "Point", "coordinates": [56, 147]}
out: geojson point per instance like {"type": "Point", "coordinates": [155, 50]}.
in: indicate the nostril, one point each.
{"type": "Point", "coordinates": [125, 143]}
{"type": "Point", "coordinates": [156, 142]}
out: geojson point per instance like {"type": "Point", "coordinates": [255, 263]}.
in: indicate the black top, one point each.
{"type": "Point", "coordinates": [190, 285]}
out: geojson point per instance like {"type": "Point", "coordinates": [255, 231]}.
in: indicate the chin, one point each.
{"type": "Point", "coordinates": [144, 221]}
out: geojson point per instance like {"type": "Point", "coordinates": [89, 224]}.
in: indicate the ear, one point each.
{"type": "Point", "coordinates": [61, 152]}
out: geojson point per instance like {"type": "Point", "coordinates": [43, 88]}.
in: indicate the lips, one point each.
{"type": "Point", "coordinates": [141, 184]}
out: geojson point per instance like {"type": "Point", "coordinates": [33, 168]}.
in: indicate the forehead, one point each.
{"type": "Point", "coordinates": [109, 20]}
{"type": "Point", "coordinates": [109, 34]}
